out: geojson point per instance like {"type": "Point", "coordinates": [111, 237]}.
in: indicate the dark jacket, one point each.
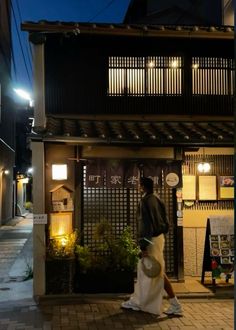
{"type": "Point", "coordinates": [150, 219]}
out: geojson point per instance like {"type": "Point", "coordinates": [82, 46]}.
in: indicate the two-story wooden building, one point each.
{"type": "Point", "coordinates": [113, 102]}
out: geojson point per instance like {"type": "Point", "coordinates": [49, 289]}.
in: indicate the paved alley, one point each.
{"type": "Point", "coordinates": [95, 314]}
{"type": "Point", "coordinates": [19, 311]}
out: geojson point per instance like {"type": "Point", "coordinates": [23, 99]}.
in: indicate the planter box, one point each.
{"type": "Point", "coordinates": [60, 275]}
{"type": "Point", "coordinates": [104, 282]}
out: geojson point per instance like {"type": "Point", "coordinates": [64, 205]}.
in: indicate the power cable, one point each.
{"type": "Point", "coordinates": [27, 44]}
{"type": "Point", "coordinates": [101, 10]}
{"type": "Point", "coordinates": [22, 52]}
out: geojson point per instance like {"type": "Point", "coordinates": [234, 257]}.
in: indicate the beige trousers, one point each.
{"type": "Point", "coordinates": [148, 292]}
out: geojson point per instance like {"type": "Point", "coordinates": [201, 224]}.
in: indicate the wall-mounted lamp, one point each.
{"type": "Point", "coordinates": [30, 170]}
{"type": "Point", "coordinates": [203, 166]}
{"type": "Point", "coordinates": [59, 172]}
{"type": "Point", "coordinates": [6, 172]}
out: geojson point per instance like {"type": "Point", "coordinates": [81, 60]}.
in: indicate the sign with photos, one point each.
{"type": "Point", "coordinates": [219, 248]}
{"type": "Point", "coordinates": [226, 187]}
{"type": "Point", "coordinates": [222, 246]}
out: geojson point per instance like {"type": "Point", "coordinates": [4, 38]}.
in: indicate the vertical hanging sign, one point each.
{"type": "Point", "coordinates": [95, 174]}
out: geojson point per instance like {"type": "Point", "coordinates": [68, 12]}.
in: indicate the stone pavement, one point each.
{"type": "Point", "coordinates": [16, 258]}
{"type": "Point", "coordinates": [18, 309]}
{"type": "Point", "coordinates": [105, 313]}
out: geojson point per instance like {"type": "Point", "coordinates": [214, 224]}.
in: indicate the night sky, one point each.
{"type": "Point", "coordinates": [109, 11]}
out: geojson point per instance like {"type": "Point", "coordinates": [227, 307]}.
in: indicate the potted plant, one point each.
{"type": "Point", "coordinates": [60, 264]}
{"type": "Point", "coordinates": [111, 268]}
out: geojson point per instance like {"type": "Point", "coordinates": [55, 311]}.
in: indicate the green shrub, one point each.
{"type": "Point", "coordinates": [112, 254]}
{"type": "Point", "coordinates": [62, 247]}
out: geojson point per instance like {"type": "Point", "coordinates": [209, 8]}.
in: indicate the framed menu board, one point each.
{"type": "Point", "coordinates": [226, 187]}
{"type": "Point", "coordinates": [207, 188]}
{"type": "Point", "coordinates": [219, 248]}
{"type": "Point", "coordinates": [189, 187]}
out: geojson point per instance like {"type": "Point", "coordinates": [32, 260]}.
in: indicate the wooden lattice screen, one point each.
{"type": "Point", "coordinates": [118, 207]}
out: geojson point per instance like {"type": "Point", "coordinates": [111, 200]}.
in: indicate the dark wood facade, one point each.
{"type": "Point", "coordinates": [77, 67]}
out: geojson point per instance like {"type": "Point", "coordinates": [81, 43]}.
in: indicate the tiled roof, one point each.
{"type": "Point", "coordinates": [130, 29]}
{"type": "Point", "coordinates": [144, 132]}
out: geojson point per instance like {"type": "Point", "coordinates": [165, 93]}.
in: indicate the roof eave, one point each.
{"type": "Point", "coordinates": [140, 143]}
{"type": "Point", "coordinates": [131, 30]}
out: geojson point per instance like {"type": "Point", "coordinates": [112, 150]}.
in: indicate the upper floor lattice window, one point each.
{"type": "Point", "coordinates": [212, 76]}
{"type": "Point", "coordinates": [141, 76]}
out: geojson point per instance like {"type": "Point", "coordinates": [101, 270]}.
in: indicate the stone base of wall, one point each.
{"type": "Point", "coordinates": [194, 241]}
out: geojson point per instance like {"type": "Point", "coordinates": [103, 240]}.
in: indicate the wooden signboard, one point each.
{"type": "Point", "coordinates": [219, 247]}
{"type": "Point", "coordinates": [207, 188]}
{"type": "Point", "coordinates": [189, 187]}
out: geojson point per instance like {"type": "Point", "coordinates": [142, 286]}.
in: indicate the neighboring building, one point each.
{"type": "Point", "coordinates": [182, 12]}
{"type": "Point", "coordinates": [7, 117]}
{"type": "Point", "coordinates": [23, 167]}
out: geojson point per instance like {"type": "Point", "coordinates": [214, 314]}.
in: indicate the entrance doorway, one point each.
{"type": "Point", "coordinates": [118, 207]}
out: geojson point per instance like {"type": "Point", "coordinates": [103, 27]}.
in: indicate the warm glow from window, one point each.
{"type": "Point", "coordinates": [174, 64]}
{"type": "Point", "coordinates": [214, 76]}
{"type": "Point", "coordinates": [59, 172]}
{"type": "Point", "coordinates": [151, 64]}
{"type": "Point", "coordinates": [142, 76]}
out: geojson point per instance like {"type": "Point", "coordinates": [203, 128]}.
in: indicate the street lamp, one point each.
{"type": "Point", "coordinates": [24, 95]}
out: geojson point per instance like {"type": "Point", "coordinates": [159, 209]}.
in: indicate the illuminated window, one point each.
{"type": "Point", "coordinates": [212, 76]}
{"type": "Point", "coordinates": [141, 76]}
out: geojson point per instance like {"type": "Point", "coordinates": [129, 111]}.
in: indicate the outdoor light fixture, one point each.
{"type": "Point", "coordinates": [59, 172]}
{"type": "Point", "coordinates": [203, 166]}
{"type": "Point", "coordinates": [30, 170]}
{"type": "Point", "coordinates": [60, 224]}
{"type": "Point", "coordinates": [6, 172]}
{"type": "Point", "coordinates": [24, 95]}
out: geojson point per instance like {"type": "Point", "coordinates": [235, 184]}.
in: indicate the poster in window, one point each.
{"type": "Point", "coordinates": [226, 187]}
{"type": "Point", "coordinates": [189, 187]}
{"type": "Point", "coordinates": [207, 188]}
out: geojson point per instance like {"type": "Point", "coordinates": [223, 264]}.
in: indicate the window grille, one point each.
{"type": "Point", "coordinates": [140, 76]}
{"type": "Point", "coordinates": [212, 76]}
{"type": "Point", "coordinates": [118, 206]}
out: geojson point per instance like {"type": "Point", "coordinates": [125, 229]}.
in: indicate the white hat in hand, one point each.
{"type": "Point", "coordinates": [151, 266]}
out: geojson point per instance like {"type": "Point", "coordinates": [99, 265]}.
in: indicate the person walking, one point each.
{"type": "Point", "coordinates": [148, 292]}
